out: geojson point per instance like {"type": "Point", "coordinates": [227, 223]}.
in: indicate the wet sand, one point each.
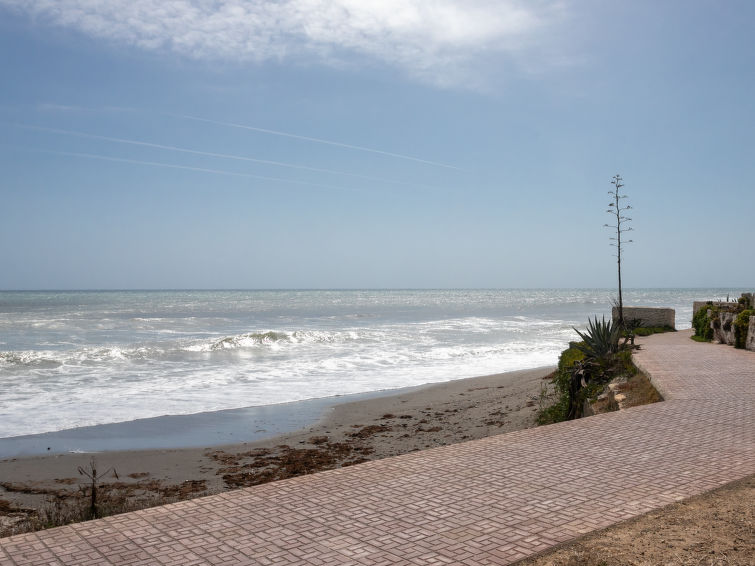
{"type": "Point", "coordinates": [348, 432]}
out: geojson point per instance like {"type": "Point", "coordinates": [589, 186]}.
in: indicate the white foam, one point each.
{"type": "Point", "coordinates": [188, 352]}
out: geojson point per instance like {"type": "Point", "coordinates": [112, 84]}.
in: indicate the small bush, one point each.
{"type": "Point", "coordinates": [555, 413]}
{"type": "Point", "coordinates": [741, 324]}
{"type": "Point", "coordinates": [585, 368]}
{"type": "Point", "coordinates": [581, 376]}
{"type": "Point", "coordinates": [648, 330]}
{"type": "Point", "coordinates": [569, 357]}
{"type": "Point", "coordinates": [701, 322]}
{"type": "Point", "coordinates": [561, 379]}
{"type": "Point", "coordinates": [625, 363]}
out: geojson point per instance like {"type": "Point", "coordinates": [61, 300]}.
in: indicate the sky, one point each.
{"type": "Point", "coordinates": [164, 144]}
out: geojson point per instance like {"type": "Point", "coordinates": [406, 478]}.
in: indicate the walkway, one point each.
{"type": "Point", "coordinates": [491, 501]}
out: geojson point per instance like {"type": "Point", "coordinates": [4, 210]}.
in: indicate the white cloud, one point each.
{"type": "Point", "coordinates": [442, 41]}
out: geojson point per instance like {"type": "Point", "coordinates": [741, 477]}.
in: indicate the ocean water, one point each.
{"type": "Point", "coordinates": [71, 359]}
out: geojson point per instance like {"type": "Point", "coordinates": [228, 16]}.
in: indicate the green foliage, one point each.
{"type": "Point", "coordinates": [568, 357]}
{"type": "Point", "coordinates": [583, 382]}
{"type": "Point", "coordinates": [579, 378]}
{"type": "Point", "coordinates": [697, 338]}
{"type": "Point", "coordinates": [559, 410]}
{"type": "Point", "coordinates": [625, 364]}
{"type": "Point", "coordinates": [555, 413]}
{"type": "Point", "coordinates": [583, 370]}
{"type": "Point", "coordinates": [648, 330]}
{"type": "Point", "coordinates": [701, 322]}
{"type": "Point", "coordinates": [601, 339]}
{"type": "Point", "coordinates": [741, 324]}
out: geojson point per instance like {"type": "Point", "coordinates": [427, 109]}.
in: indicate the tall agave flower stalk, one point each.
{"type": "Point", "coordinates": [620, 225]}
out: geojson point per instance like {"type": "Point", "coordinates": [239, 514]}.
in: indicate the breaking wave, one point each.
{"type": "Point", "coordinates": [269, 340]}
{"type": "Point", "coordinates": [80, 358]}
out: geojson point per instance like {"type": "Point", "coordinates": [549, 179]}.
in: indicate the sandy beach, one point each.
{"type": "Point", "coordinates": [346, 434]}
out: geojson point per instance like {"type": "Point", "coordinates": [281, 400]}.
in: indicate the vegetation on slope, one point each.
{"type": "Point", "coordinates": [585, 369]}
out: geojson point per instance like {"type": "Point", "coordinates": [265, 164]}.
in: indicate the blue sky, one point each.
{"type": "Point", "coordinates": [308, 144]}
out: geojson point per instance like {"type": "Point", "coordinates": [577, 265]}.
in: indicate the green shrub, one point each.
{"type": "Point", "coordinates": [701, 322]}
{"type": "Point", "coordinates": [625, 363]}
{"type": "Point", "coordinates": [555, 413]}
{"type": "Point", "coordinates": [741, 324]}
{"type": "Point", "coordinates": [569, 356]}
{"type": "Point", "coordinates": [648, 330]}
{"type": "Point", "coordinates": [585, 367]}
{"type": "Point", "coordinates": [559, 410]}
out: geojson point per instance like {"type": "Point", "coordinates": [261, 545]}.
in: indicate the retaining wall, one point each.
{"type": "Point", "coordinates": [697, 305]}
{"type": "Point", "coordinates": [650, 316]}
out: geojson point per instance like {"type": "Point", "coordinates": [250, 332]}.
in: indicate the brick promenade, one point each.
{"type": "Point", "coordinates": [490, 501]}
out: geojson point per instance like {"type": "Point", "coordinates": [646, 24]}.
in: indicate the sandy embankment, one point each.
{"type": "Point", "coordinates": [347, 434]}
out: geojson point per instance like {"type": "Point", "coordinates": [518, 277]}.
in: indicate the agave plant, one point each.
{"type": "Point", "coordinates": [600, 340]}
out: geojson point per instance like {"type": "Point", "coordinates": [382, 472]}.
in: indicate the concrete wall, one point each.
{"type": "Point", "coordinates": [650, 316]}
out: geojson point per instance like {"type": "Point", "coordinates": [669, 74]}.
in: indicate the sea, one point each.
{"type": "Point", "coordinates": [79, 358]}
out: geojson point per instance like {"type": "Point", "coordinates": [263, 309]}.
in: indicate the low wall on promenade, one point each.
{"type": "Point", "coordinates": [649, 316]}
{"type": "Point", "coordinates": [697, 305]}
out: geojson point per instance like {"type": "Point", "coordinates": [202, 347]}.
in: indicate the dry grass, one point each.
{"type": "Point", "coordinates": [638, 391]}
{"type": "Point", "coordinates": [713, 529]}
{"type": "Point", "coordinates": [72, 504]}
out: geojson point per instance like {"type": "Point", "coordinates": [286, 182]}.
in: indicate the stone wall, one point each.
{"type": "Point", "coordinates": [723, 328]}
{"type": "Point", "coordinates": [650, 316]}
{"type": "Point", "coordinates": [697, 305]}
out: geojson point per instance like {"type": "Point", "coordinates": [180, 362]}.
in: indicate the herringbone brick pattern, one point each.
{"type": "Point", "coordinates": [490, 501]}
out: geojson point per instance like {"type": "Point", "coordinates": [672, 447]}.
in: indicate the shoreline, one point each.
{"type": "Point", "coordinates": [347, 431]}
{"type": "Point", "coordinates": [193, 430]}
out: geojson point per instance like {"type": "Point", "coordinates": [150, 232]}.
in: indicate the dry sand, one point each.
{"type": "Point", "coordinates": [347, 434]}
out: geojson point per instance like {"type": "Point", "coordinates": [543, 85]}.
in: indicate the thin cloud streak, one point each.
{"type": "Point", "coordinates": [56, 107]}
{"type": "Point", "coordinates": [217, 155]}
{"type": "Point", "coordinates": [186, 167]}
{"type": "Point", "coordinates": [320, 140]}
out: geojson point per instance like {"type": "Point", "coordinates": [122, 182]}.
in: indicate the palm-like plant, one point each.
{"type": "Point", "coordinates": [600, 340]}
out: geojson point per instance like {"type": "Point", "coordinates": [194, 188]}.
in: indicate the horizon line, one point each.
{"type": "Point", "coordinates": [226, 289]}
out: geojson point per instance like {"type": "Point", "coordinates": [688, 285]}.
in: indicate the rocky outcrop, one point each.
{"type": "Point", "coordinates": [723, 328]}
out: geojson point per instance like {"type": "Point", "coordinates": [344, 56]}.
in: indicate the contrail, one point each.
{"type": "Point", "coordinates": [219, 155]}
{"type": "Point", "coordinates": [187, 167]}
{"type": "Point", "coordinates": [318, 140]}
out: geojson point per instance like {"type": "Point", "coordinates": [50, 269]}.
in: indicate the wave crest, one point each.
{"type": "Point", "coordinates": [29, 359]}
{"type": "Point", "coordinates": [249, 340]}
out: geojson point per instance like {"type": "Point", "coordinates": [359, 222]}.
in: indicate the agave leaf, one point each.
{"type": "Point", "coordinates": [600, 340]}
